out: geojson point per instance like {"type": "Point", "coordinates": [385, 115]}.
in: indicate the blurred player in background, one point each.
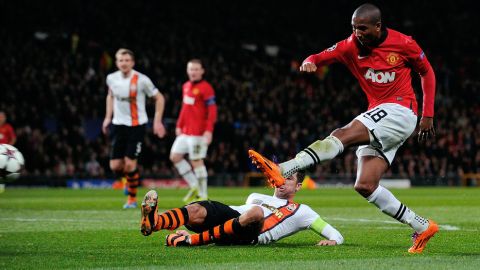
{"type": "Point", "coordinates": [194, 131]}
{"type": "Point", "coordinates": [382, 60]}
{"type": "Point", "coordinates": [127, 93]}
{"type": "Point", "coordinates": [7, 134]}
{"type": "Point", "coordinates": [262, 219]}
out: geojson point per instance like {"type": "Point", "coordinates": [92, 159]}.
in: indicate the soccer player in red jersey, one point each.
{"type": "Point", "coordinates": [194, 131]}
{"type": "Point", "coordinates": [382, 60]}
{"type": "Point", "coordinates": [7, 134]}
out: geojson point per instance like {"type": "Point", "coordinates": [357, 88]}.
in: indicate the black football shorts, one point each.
{"type": "Point", "coordinates": [126, 141]}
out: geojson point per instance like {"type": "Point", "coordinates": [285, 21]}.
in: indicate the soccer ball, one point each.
{"type": "Point", "coordinates": [11, 162]}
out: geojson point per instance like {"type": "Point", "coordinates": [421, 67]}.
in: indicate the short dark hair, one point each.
{"type": "Point", "coordinates": [301, 176]}
{"type": "Point", "coordinates": [369, 11]}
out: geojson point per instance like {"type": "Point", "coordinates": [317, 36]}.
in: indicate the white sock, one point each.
{"type": "Point", "coordinates": [319, 151]}
{"type": "Point", "coordinates": [185, 170]}
{"type": "Point", "coordinates": [202, 175]}
{"type": "Point", "coordinates": [389, 205]}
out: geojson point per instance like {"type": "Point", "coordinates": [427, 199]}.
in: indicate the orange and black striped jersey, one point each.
{"type": "Point", "coordinates": [129, 96]}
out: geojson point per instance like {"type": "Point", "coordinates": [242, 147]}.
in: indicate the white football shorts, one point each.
{"type": "Point", "coordinates": [390, 125]}
{"type": "Point", "coordinates": [195, 146]}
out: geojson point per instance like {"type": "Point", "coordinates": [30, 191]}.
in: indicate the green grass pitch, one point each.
{"type": "Point", "coordinates": [61, 228]}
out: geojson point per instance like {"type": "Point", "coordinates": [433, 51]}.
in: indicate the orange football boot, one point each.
{"type": "Point", "coordinates": [269, 168]}
{"type": "Point", "coordinates": [420, 240]}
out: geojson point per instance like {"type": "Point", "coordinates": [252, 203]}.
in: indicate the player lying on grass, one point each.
{"type": "Point", "coordinates": [262, 219]}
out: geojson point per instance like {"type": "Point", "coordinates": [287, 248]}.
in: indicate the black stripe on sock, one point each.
{"type": "Point", "coordinates": [187, 172]}
{"type": "Point", "coordinates": [308, 151]}
{"type": "Point", "coordinates": [175, 215]}
{"type": "Point", "coordinates": [212, 235]}
{"type": "Point", "coordinates": [236, 226]}
{"type": "Point", "coordinates": [185, 214]}
{"type": "Point", "coordinates": [315, 154]}
{"type": "Point", "coordinates": [163, 222]}
{"type": "Point", "coordinates": [222, 230]}
{"type": "Point", "coordinates": [401, 215]}
{"type": "Point", "coordinates": [399, 210]}
{"type": "Point", "coordinates": [201, 241]}
{"type": "Point", "coordinates": [169, 218]}
{"type": "Point", "coordinates": [132, 174]}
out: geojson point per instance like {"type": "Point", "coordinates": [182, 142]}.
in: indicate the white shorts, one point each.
{"type": "Point", "coordinates": [390, 125]}
{"type": "Point", "coordinates": [195, 146]}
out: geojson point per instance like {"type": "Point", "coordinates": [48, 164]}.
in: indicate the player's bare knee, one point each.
{"type": "Point", "coordinates": [337, 132]}
{"type": "Point", "coordinates": [197, 163]}
{"type": "Point", "coordinates": [257, 214]}
{"type": "Point", "coordinates": [254, 215]}
{"type": "Point", "coordinates": [175, 158]}
{"type": "Point", "coordinates": [196, 214]}
{"type": "Point", "coordinates": [117, 167]}
{"type": "Point", "coordinates": [365, 189]}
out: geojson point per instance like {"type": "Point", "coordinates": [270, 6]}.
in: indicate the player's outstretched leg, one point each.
{"type": "Point", "coordinates": [370, 170]}
{"type": "Point", "coordinates": [152, 221]}
{"type": "Point", "coordinates": [269, 168]}
{"type": "Point", "coordinates": [319, 151]}
{"type": "Point", "coordinates": [231, 232]}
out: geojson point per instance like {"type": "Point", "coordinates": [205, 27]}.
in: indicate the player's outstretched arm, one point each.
{"type": "Point", "coordinates": [326, 230]}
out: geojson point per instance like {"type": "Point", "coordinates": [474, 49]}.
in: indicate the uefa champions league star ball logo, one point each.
{"type": "Point", "coordinates": [9, 153]}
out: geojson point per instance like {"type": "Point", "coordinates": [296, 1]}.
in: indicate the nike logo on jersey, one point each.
{"type": "Point", "coordinates": [362, 57]}
{"type": "Point", "coordinates": [379, 77]}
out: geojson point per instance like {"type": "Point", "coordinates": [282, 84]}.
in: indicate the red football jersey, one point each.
{"type": "Point", "coordinates": [199, 110]}
{"type": "Point", "coordinates": [384, 73]}
{"type": "Point", "coordinates": [6, 133]}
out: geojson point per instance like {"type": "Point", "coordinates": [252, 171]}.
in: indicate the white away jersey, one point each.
{"type": "Point", "coordinates": [129, 94]}
{"type": "Point", "coordinates": [282, 217]}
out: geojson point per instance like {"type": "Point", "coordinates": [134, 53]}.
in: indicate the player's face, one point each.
{"type": "Point", "coordinates": [288, 190]}
{"type": "Point", "coordinates": [194, 71]}
{"type": "Point", "coordinates": [125, 63]}
{"type": "Point", "coordinates": [365, 31]}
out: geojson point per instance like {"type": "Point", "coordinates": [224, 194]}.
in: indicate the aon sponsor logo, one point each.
{"type": "Point", "coordinates": [379, 77]}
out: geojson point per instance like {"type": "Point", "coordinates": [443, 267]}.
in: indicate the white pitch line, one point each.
{"type": "Point", "coordinates": [60, 220]}
{"type": "Point", "coordinates": [445, 227]}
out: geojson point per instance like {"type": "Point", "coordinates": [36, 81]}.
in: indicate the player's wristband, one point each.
{"type": "Point", "coordinates": [318, 225]}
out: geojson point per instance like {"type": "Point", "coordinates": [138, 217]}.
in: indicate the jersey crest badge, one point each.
{"type": "Point", "coordinates": [392, 58]}
{"type": "Point", "coordinates": [291, 207]}
{"type": "Point", "coordinates": [195, 91]}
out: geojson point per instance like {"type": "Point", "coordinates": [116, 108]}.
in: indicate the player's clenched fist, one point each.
{"type": "Point", "coordinates": [308, 67]}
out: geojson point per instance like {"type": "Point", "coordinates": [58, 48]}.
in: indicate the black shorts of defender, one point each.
{"type": "Point", "coordinates": [126, 141]}
{"type": "Point", "coordinates": [217, 214]}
